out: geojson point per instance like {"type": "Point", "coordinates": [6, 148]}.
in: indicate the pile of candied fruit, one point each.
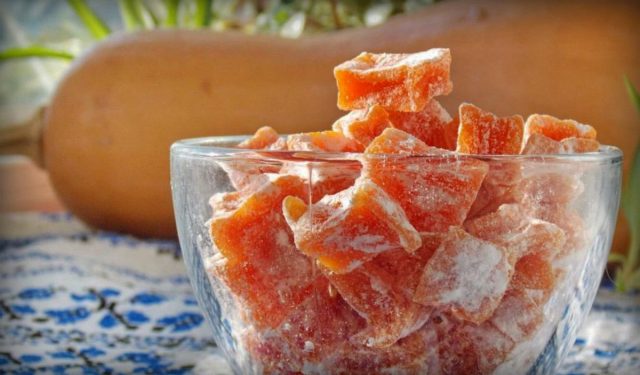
{"type": "Point", "coordinates": [420, 256]}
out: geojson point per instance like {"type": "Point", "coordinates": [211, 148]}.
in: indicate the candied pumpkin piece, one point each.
{"type": "Point", "coordinates": [245, 172]}
{"type": "Point", "coordinates": [344, 230]}
{"type": "Point", "coordinates": [377, 296]}
{"type": "Point", "coordinates": [511, 227]}
{"type": "Point", "coordinates": [324, 178]}
{"type": "Point", "coordinates": [261, 264]}
{"type": "Point", "coordinates": [263, 138]}
{"type": "Point", "coordinates": [399, 82]}
{"type": "Point", "coordinates": [575, 145]}
{"type": "Point", "coordinates": [467, 348]}
{"type": "Point", "coordinates": [390, 278]}
{"type": "Point", "coordinates": [326, 141]}
{"type": "Point", "coordinates": [567, 219]}
{"type": "Point", "coordinates": [549, 187]}
{"type": "Point", "coordinates": [435, 189]}
{"type": "Point", "coordinates": [242, 171]}
{"type": "Point", "coordinates": [539, 144]}
{"type": "Point", "coordinates": [396, 141]}
{"type": "Point", "coordinates": [414, 354]}
{"type": "Point", "coordinates": [539, 237]}
{"type": "Point", "coordinates": [499, 226]}
{"type": "Point", "coordinates": [518, 315]}
{"type": "Point", "coordinates": [534, 275]}
{"type": "Point", "coordinates": [433, 125]}
{"type": "Point", "coordinates": [557, 129]}
{"type": "Point", "coordinates": [498, 187]}
{"type": "Point", "coordinates": [363, 125]}
{"type": "Point", "coordinates": [482, 132]}
{"type": "Point", "coordinates": [466, 275]}
{"type": "Point", "coordinates": [315, 329]}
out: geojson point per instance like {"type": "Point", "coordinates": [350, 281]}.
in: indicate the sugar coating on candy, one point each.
{"type": "Point", "coordinates": [396, 141]}
{"type": "Point", "coordinates": [539, 237]}
{"type": "Point", "coordinates": [343, 230]}
{"type": "Point", "coordinates": [484, 133]}
{"type": "Point", "coordinates": [262, 266]}
{"type": "Point", "coordinates": [415, 354]}
{"type": "Point", "coordinates": [518, 316]}
{"type": "Point", "coordinates": [324, 178]}
{"type": "Point", "coordinates": [224, 204]}
{"type": "Point", "coordinates": [549, 187]}
{"type": "Point", "coordinates": [363, 125]}
{"type": "Point", "coordinates": [498, 187]}
{"type": "Point", "coordinates": [539, 144]}
{"type": "Point", "coordinates": [557, 129]}
{"type": "Point", "coordinates": [467, 348]}
{"type": "Point", "coordinates": [466, 275]}
{"type": "Point", "coordinates": [324, 141]}
{"type": "Point", "coordinates": [399, 82]}
{"type": "Point", "coordinates": [567, 219]}
{"type": "Point", "coordinates": [499, 226]}
{"type": "Point", "coordinates": [435, 190]}
{"type": "Point", "coordinates": [433, 125]}
{"type": "Point", "coordinates": [263, 138]}
{"type": "Point", "coordinates": [534, 272]}
{"type": "Point", "coordinates": [245, 172]}
{"type": "Point", "coordinates": [576, 145]}
{"type": "Point", "coordinates": [313, 331]}
{"type": "Point", "coordinates": [374, 293]}
{"type": "Point", "coordinates": [510, 226]}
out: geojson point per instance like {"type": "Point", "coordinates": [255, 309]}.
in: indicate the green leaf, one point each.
{"type": "Point", "coordinates": [155, 20]}
{"type": "Point", "coordinates": [131, 12]}
{"type": "Point", "coordinates": [203, 13]}
{"type": "Point", "coordinates": [616, 258]}
{"type": "Point", "coordinates": [633, 93]}
{"type": "Point", "coordinates": [93, 23]}
{"type": "Point", "coordinates": [34, 51]}
{"type": "Point", "coordinates": [634, 280]}
{"type": "Point", "coordinates": [172, 12]}
{"type": "Point", "coordinates": [631, 208]}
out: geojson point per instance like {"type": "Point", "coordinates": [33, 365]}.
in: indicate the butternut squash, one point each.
{"type": "Point", "coordinates": [114, 115]}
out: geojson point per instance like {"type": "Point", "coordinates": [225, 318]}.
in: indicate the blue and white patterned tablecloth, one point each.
{"type": "Point", "coordinates": [74, 300]}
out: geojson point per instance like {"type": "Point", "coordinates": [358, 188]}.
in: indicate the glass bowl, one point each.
{"type": "Point", "coordinates": [307, 262]}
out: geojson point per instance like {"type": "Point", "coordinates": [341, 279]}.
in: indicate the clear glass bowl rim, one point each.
{"type": "Point", "coordinates": [220, 148]}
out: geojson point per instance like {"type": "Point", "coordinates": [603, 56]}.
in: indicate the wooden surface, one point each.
{"type": "Point", "coordinates": [25, 187]}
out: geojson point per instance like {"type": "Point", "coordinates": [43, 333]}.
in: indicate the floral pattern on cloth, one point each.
{"type": "Point", "coordinates": [74, 300]}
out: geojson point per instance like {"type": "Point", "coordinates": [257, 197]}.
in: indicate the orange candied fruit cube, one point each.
{"type": "Point", "coordinates": [433, 125]}
{"type": "Point", "coordinates": [327, 141]}
{"type": "Point", "coordinates": [435, 189]}
{"type": "Point", "coordinates": [399, 82]}
{"type": "Point", "coordinates": [373, 292]}
{"type": "Point", "coordinates": [518, 316]}
{"type": "Point", "coordinates": [482, 132]}
{"type": "Point", "coordinates": [313, 331]}
{"type": "Point", "coordinates": [363, 125]}
{"type": "Point", "coordinates": [258, 259]}
{"type": "Point", "coordinates": [574, 145]}
{"type": "Point", "coordinates": [467, 275]}
{"type": "Point", "coordinates": [263, 138]}
{"type": "Point", "coordinates": [557, 129]}
{"type": "Point", "coordinates": [540, 144]}
{"type": "Point", "coordinates": [344, 230]}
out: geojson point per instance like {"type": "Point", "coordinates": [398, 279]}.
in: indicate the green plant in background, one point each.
{"type": "Point", "coordinates": [627, 275]}
{"type": "Point", "coordinates": [287, 18]}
